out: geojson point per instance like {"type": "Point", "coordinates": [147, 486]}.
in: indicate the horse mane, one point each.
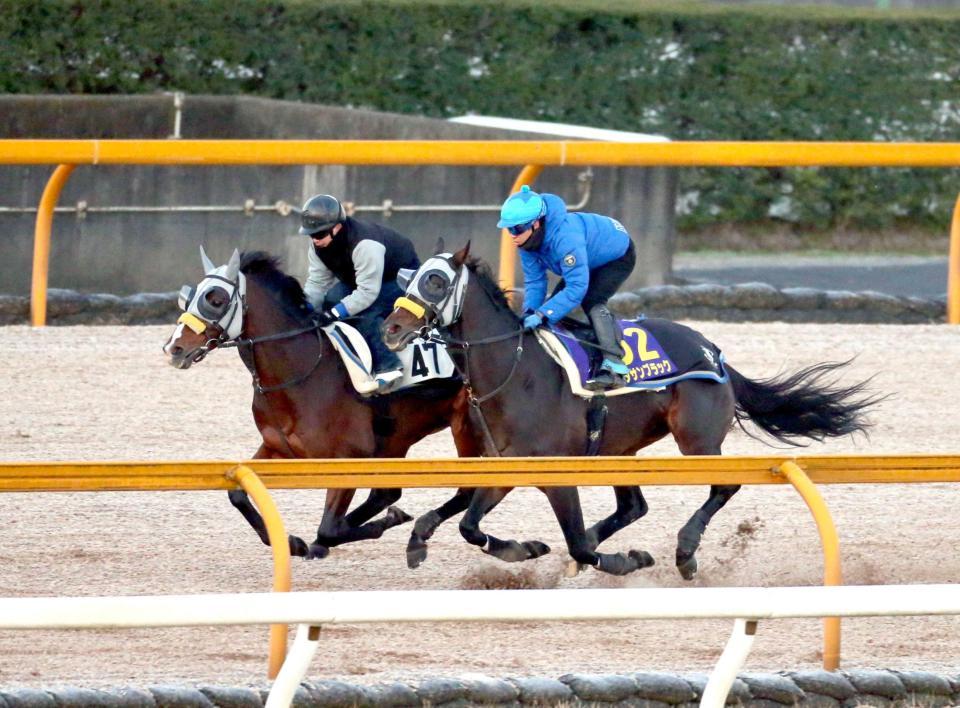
{"type": "Point", "coordinates": [484, 274]}
{"type": "Point", "coordinates": [266, 270]}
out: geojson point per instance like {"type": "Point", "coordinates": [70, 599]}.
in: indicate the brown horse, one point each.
{"type": "Point", "coordinates": [304, 404]}
{"type": "Point", "coordinates": [512, 383]}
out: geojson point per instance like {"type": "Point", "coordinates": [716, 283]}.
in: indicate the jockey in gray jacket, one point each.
{"type": "Point", "coordinates": [353, 273]}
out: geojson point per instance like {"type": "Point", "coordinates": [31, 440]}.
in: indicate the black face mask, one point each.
{"type": "Point", "coordinates": [536, 238]}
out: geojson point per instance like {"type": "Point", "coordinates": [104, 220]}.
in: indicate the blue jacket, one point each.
{"type": "Point", "coordinates": [574, 244]}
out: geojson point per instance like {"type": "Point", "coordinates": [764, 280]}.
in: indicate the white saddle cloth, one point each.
{"type": "Point", "coordinates": [422, 360]}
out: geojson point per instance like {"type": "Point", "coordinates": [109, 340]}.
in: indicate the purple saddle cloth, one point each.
{"type": "Point", "coordinates": [658, 352]}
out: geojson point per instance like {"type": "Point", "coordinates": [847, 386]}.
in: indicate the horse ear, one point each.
{"type": "Point", "coordinates": [208, 266]}
{"type": "Point", "coordinates": [233, 267]}
{"type": "Point", "coordinates": [440, 246]}
{"type": "Point", "coordinates": [460, 257]}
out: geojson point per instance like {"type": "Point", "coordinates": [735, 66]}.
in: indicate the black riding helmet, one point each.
{"type": "Point", "coordinates": [321, 213]}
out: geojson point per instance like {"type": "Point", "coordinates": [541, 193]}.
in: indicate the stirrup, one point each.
{"type": "Point", "coordinates": [615, 367]}
{"type": "Point", "coordinates": [612, 374]}
{"type": "Point", "coordinates": [604, 381]}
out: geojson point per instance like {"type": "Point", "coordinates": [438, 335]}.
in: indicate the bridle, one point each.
{"type": "Point", "coordinates": [200, 317]}
{"type": "Point", "coordinates": [245, 349]}
{"type": "Point", "coordinates": [439, 308]}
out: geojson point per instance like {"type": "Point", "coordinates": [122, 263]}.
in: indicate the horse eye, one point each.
{"type": "Point", "coordinates": [215, 298]}
{"type": "Point", "coordinates": [436, 284]}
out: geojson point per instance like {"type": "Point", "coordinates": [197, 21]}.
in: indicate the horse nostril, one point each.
{"type": "Point", "coordinates": [176, 351]}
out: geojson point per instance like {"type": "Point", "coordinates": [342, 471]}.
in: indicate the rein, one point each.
{"type": "Point", "coordinates": [245, 349]}
{"type": "Point", "coordinates": [472, 397]}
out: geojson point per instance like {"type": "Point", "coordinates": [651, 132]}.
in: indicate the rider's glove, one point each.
{"type": "Point", "coordinates": [323, 319]}
{"type": "Point", "coordinates": [338, 311]}
{"type": "Point", "coordinates": [531, 322]}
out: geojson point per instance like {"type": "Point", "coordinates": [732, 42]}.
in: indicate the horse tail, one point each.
{"type": "Point", "coordinates": [802, 405]}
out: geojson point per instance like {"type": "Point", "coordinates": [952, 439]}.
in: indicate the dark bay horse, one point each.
{"type": "Point", "coordinates": [522, 406]}
{"type": "Point", "coordinates": [304, 404]}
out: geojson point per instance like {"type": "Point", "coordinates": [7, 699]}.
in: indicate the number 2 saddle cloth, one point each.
{"type": "Point", "coordinates": [423, 361]}
{"type": "Point", "coordinates": [657, 352]}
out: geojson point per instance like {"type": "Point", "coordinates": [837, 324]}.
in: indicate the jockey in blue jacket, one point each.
{"type": "Point", "coordinates": [592, 253]}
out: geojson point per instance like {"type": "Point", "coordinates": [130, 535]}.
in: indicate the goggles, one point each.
{"type": "Point", "coordinates": [432, 286]}
{"type": "Point", "coordinates": [320, 235]}
{"type": "Point", "coordinates": [211, 305]}
{"type": "Point", "coordinates": [518, 229]}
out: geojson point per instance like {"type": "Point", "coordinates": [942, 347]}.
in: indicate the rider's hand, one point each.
{"type": "Point", "coordinates": [531, 322]}
{"type": "Point", "coordinates": [323, 319]}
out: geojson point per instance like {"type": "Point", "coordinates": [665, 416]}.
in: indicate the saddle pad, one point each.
{"type": "Point", "coordinates": [657, 352]}
{"type": "Point", "coordinates": [422, 360]}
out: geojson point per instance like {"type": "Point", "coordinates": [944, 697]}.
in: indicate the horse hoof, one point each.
{"type": "Point", "coordinates": [317, 551]}
{"type": "Point", "coordinates": [507, 551]}
{"type": "Point", "coordinates": [535, 549]}
{"type": "Point", "coordinates": [416, 555]}
{"type": "Point", "coordinates": [298, 547]}
{"type": "Point", "coordinates": [396, 516]}
{"type": "Point", "coordinates": [573, 569]}
{"type": "Point", "coordinates": [642, 559]}
{"type": "Point", "coordinates": [688, 568]}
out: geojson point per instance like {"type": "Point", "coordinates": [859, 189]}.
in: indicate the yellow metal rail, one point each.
{"type": "Point", "coordinates": [534, 154]}
{"type": "Point", "coordinates": [476, 152]}
{"type": "Point", "coordinates": [474, 472]}
{"type": "Point", "coordinates": [255, 476]}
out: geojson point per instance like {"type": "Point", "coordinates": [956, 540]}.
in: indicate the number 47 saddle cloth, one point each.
{"type": "Point", "coordinates": [658, 353]}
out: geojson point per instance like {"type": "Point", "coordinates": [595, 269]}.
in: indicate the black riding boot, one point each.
{"type": "Point", "coordinates": [612, 371]}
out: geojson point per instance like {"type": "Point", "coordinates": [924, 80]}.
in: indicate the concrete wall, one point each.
{"type": "Point", "coordinates": [124, 253]}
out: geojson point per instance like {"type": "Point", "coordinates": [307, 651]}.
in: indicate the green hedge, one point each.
{"type": "Point", "coordinates": [686, 71]}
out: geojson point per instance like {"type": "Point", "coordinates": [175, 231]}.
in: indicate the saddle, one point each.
{"type": "Point", "coordinates": [423, 361]}
{"type": "Point", "coordinates": [658, 353]}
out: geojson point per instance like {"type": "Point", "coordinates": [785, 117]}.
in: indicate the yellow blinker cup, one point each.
{"type": "Point", "coordinates": [193, 322]}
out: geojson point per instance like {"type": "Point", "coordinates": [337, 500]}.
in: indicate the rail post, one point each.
{"type": "Point", "coordinates": [41, 244]}
{"type": "Point", "coordinates": [252, 485]}
{"type": "Point", "coordinates": [508, 252]}
{"type": "Point", "coordinates": [953, 269]}
{"type": "Point", "coordinates": [831, 554]}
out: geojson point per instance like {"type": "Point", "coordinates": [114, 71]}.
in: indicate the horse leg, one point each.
{"type": "Point", "coordinates": [688, 538]}
{"type": "Point", "coordinates": [377, 501]}
{"type": "Point", "coordinates": [483, 502]}
{"type": "Point", "coordinates": [335, 527]}
{"type": "Point", "coordinates": [424, 526]}
{"type": "Point", "coordinates": [238, 497]}
{"type": "Point", "coordinates": [566, 507]}
{"type": "Point", "coordinates": [630, 506]}
{"type": "Point", "coordinates": [699, 419]}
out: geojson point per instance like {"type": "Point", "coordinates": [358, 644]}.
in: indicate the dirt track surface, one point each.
{"type": "Point", "coordinates": [106, 393]}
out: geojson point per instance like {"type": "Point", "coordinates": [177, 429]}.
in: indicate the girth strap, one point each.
{"type": "Point", "coordinates": [596, 420]}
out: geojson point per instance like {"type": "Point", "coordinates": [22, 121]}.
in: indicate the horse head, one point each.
{"type": "Point", "coordinates": [433, 297]}
{"type": "Point", "coordinates": [212, 312]}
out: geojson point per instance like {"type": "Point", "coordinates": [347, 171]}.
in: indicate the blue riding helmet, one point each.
{"type": "Point", "coordinates": [521, 208]}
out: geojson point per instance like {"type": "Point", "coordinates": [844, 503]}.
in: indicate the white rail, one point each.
{"type": "Point", "coordinates": [310, 610]}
